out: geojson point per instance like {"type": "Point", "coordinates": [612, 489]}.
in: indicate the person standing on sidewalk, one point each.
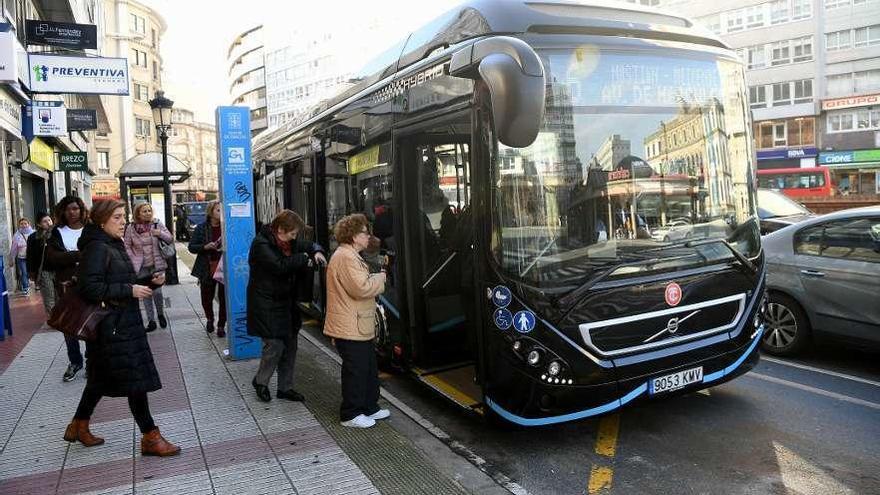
{"type": "Point", "coordinates": [276, 259]}
{"type": "Point", "coordinates": [38, 268]}
{"type": "Point", "coordinates": [206, 244]}
{"type": "Point", "coordinates": [18, 252]}
{"type": "Point", "coordinates": [142, 245]}
{"type": "Point", "coordinates": [62, 254]}
{"type": "Point", "coordinates": [351, 322]}
{"type": "Point", "coordinates": [120, 363]}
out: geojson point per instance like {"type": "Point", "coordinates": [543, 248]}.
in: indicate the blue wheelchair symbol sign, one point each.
{"type": "Point", "coordinates": [503, 318]}
{"type": "Point", "coordinates": [501, 296]}
{"type": "Point", "coordinates": [524, 321]}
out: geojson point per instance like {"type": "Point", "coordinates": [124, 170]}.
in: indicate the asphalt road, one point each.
{"type": "Point", "coordinates": [805, 426]}
{"type": "Point", "coordinates": [809, 425]}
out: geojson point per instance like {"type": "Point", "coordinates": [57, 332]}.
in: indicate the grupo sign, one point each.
{"type": "Point", "coordinates": [78, 75]}
{"type": "Point", "coordinates": [851, 102]}
{"type": "Point", "coordinates": [73, 161]}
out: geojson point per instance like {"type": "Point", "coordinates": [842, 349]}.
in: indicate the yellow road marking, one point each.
{"type": "Point", "coordinates": [449, 390]}
{"type": "Point", "coordinates": [600, 479]}
{"type": "Point", "coordinates": [606, 446]}
{"type": "Point", "coordinates": [606, 440]}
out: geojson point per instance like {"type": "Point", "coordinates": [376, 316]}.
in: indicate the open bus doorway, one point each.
{"type": "Point", "coordinates": [436, 169]}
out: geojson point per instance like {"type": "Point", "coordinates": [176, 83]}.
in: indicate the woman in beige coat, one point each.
{"type": "Point", "coordinates": [351, 322]}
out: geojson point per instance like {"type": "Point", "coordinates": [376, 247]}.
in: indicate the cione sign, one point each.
{"type": "Point", "coordinates": [851, 102]}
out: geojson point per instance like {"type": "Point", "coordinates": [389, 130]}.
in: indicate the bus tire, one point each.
{"type": "Point", "coordinates": [788, 328]}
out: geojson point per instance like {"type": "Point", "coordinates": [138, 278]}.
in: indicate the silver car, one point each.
{"type": "Point", "coordinates": [823, 277]}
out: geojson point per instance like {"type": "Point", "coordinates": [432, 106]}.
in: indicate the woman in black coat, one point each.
{"type": "Point", "coordinates": [119, 361]}
{"type": "Point", "coordinates": [276, 258]}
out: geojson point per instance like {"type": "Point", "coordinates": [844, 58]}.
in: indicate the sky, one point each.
{"type": "Point", "coordinates": [199, 33]}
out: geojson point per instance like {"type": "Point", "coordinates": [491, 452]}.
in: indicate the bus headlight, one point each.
{"type": "Point", "coordinates": [534, 357]}
{"type": "Point", "coordinates": [517, 345]}
{"type": "Point", "coordinates": [554, 368]}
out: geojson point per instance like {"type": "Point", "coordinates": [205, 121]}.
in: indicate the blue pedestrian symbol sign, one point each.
{"type": "Point", "coordinates": [503, 318]}
{"type": "Point", "coordinates": [501, 296]}
{"type": "Point", "coordinates": [524, 321]}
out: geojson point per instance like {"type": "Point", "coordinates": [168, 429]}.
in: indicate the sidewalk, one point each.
{"type": "Point", "coordinates": [232, 443]}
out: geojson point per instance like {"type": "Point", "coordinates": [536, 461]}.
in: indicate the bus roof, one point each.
{"type": "Point", "coordinates": [769, 171]}
{"type": "Point", "coordinates": [478, 18]}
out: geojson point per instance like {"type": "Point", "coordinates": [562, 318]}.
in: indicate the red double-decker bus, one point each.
{"type": "Point", "coordinates": [797, 182]}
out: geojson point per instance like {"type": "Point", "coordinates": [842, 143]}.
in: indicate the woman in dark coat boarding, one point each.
{"type": "Point", "coordinates": [119, 362]}
{"type": "Point", "coordinates": [276, 258]}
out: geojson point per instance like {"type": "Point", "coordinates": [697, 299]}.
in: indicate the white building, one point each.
{"type": "Point", "coordinates": [813, 77]}
{"type": "Point", "coordinates": [247, 77]}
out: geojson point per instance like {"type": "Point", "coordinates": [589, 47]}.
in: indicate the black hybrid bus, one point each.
{"type": "Point", "coordinates": [565, 195]}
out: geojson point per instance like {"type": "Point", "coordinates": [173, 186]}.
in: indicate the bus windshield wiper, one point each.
{"type": "Point", "coordinates": [576, 294]}
{"type": "Point", "coordinates": [743, 260]}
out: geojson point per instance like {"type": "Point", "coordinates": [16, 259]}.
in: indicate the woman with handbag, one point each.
{"type": "Point", "coordinates": [206, 244]}
{"type": "Point", "coordinates": [351, 322]}
{"type": "Point", "coordinates": [62, 254]}
{"type": "Point", "coordinates": [145, 239]}
{"type": "Point", "coordinates": [276, 260]}
{"type": "Point", "coordinates": [120, 363]}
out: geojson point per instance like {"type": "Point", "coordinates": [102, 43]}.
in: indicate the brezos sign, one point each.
{"type": "Point", "coordinates": [73, 161]}
{"type": "Point", "coordinates": [78, 75]}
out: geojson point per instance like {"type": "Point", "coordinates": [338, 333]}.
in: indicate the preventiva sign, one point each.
{"type": "Point", "coordinates": [78, 75]}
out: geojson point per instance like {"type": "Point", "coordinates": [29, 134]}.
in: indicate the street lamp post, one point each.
{"type": "Point", "coordinates": [161, 107]}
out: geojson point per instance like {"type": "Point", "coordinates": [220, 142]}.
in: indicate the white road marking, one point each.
{"type": "Point", "coordinates": [820, 370]}
{"type": "Point", "coordinates": [818, 391]}
{"type": "Point", "coordinates": [799, 475]}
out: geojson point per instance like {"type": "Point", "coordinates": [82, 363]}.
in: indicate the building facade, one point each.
{"type": "Point", "coordinates": [195, 144]}
{"type": "Point", "coordinates": [30, 176]}
{"type": "Point", "coordinates": [813, 71]}
{"type": "Point", "coordinates": [133, 31]}
{"type": "Point", "coordinates": [247, 76]}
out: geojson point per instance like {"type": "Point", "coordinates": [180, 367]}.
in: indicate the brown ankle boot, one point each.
{"type": "Point", "coordinates": [78, 429]}
{"type": "Point", "coordinates": [154, 444]}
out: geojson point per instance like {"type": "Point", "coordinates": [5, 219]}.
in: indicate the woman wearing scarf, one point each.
{"type": "Point", "coordinates": [275, 260]}
{"type": "Point", "coordinates": [19, 253]}
{"type": "Point", "coordinates": [142, 245]}
{"type": "Point", "coordinates": [38, 268]}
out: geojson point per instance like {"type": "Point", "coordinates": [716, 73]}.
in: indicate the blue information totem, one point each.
{"type": "Point", "coordinates": [237, 196]}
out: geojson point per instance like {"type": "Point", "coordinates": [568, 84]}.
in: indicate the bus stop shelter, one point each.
{"type": "Point", "coordinates": [144, 171]}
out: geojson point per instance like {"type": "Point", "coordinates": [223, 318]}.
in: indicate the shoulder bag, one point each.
{"type": "Point", "coordinates": [77, 317]}
{"type": "Point", "coordinates": [166, 248]}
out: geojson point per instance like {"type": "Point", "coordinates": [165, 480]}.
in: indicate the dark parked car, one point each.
{"type": "Point", "coordinates": [776, 210]}
{"type": "Point", "coordinates": [823, 278]}
{"type": "Point", "coordinates": [189, 215]}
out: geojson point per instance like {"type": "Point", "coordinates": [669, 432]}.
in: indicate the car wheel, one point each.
{"type": "Point", "coordinates": [788, 329]}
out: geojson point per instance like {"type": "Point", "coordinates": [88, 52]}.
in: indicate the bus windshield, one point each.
{"type": "Point", "coordinates": [639, 152]}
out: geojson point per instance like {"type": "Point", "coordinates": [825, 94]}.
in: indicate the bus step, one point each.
{"type": "Point", "coordinates": [457, 385]}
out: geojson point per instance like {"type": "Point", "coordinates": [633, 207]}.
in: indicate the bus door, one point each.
{"type": "Point", "coordinates": [437, 178]}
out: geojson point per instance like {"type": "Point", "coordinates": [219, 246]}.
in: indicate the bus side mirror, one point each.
{"type": "Point", "coordinates": [514, 75]}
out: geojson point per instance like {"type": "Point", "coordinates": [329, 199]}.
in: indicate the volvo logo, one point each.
{"type": "Point", "coordinates": [671, 327]}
